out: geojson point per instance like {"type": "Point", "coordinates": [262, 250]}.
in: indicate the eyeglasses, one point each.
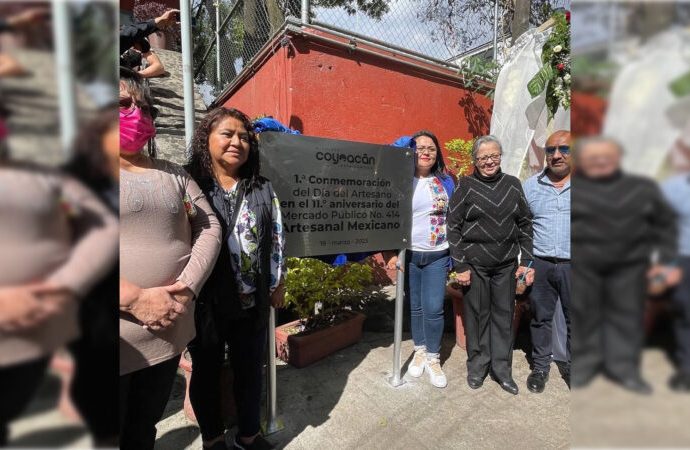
{"type": "Point", "coordinates": [563, 149]}
{"type": "Point", "coordinates": [429, 150]}
{"type": "Point", "coordinates": [493, 157]}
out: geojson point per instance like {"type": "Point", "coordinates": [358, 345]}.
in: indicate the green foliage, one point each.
{"type": "Point", "coordinates": [460, 155]}
{"type": "Point", "coordinates": [310, 282]}
{"type": "Point", "coordinates": [554, 76]}
{"type": "Point", "coordinates": [475, 68]}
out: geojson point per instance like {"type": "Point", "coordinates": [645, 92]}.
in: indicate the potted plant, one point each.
{"type": "Point", "coordinates": [324, 298]}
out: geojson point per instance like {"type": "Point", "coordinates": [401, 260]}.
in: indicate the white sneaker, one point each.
{"type": "Point", "coordinates": [436, 375]}
{"type": "Point", "coordinates": [416, 368]}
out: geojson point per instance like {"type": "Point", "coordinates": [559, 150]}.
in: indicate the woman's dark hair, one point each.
{"type": "Point", "coordinates": [439, 168]}
{"type": "Point", "coordinates": [88, 162]}
{"type": "Point", "coordinates": [200, 166]}
{"type": "Point", "coordinates": [134, 85]}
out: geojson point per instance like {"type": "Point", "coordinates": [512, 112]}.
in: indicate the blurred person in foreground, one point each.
{"type": "Point", "coordinates": [169, 242]}
{"type": "Point", "coordinates": [95, 162]}
{"type": "Point", "coordinates": [618, 222]}
{"type": "Point", "coordinates": [677, 192]}
{"type": "Point", "coordinates": [58, 240]}
{"type": "Point", "coordinates": [548, 197]}
{"type": "Point", "coordinates": [9, 66]}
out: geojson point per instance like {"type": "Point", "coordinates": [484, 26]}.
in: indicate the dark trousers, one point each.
{"type": "Point", "coordinates": [607, 310]}
{"type": "Point", "coordinates": [489, 305]}
{"type": "Point", "coordinates": [681, 325]}
{"type": "Point", "coordinates": [551, 282]}
{"type": "Point", "coordinates": [143, 396]}
{"type": "Point", "coordinates": [247, 344]}
{"type": "Point", "coordinates": [18, 384]}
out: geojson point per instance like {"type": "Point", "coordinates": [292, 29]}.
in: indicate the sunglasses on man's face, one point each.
{"type": "Point", "coordinates": [562, 149]}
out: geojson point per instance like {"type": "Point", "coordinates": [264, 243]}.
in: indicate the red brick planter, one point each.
{"type": "Point", "coordinates": [457, 297]}
{"type": "Point", "coordinates": [302, 349]}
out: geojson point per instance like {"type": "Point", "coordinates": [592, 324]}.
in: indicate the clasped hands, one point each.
{"type": "Point", "coordinates": [158, 308]}
{"type": "Point", "coordinates": [465, 278]}
{"type": "Point", "coordinates": [27, 306]}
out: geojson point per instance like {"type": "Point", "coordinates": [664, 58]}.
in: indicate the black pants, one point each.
{"type": "Point", "coordinates": [607, 311]}
{"type": "Point", "coordinates": [551, 282]}
{"type": "Point", "coordinates": [18, 384]}
{"type": "Point", "coordinates": [247, 343]}
{"type": "Point", "coordinates": [489, 305]}
{"type": "Point", "coordinates": [681, 325]}
{"type": "Point", "coordinates": [143, 396]}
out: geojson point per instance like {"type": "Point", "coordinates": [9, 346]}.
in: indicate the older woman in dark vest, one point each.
{"type": "Point", "coordinates": [247, 279]}
{"type": "Point", "coordinates": [489, 225]}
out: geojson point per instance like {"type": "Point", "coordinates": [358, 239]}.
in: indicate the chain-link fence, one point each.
{"type": "Point", "coordinates": [439, 30]}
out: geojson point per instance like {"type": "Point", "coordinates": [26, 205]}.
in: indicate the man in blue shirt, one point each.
{"type": "Point", "coordinates": [548, 196]}
{"type": "Point", "coordinates": [677, 192]}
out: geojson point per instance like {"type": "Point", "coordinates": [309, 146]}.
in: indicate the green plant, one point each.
{"type": "Point", "coordinates": [476, 68]}
{"type": "Point", "coordinates": [312, 284]}
{"type": "Point", "coordinates": [554, 76]}
{"type": "Point", "coordinates": [460, 155]}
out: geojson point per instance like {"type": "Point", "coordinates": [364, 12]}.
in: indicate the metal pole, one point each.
{"type": "Point", "coordinates": [495, 29]}
{"type": "Point", "coordinates": [64, 61]}
{"type": "Point", "coordinates": [305, 12]}
{"type": "Point", "coordinates": [395, 379]}
{"type": "Point", "coordinates": [187, 78]}
{"type": "Point", "coordinates": [218, 41]}
{"type": "Point", "coordinates": [273, 423]}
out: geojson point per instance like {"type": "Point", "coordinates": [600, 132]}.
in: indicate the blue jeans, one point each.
{"type": "Point", "coordinates": [426, 274]}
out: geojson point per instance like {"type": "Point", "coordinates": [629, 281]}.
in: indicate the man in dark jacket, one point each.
{"type": "Point", "coordinates": [618, 222]}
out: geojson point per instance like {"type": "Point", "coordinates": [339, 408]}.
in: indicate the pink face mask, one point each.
{"type": "Point", "coordinates": [136, 128]}
{"type": "Point", "coordinates": [3, 130]}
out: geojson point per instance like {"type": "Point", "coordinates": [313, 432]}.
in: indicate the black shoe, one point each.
{"type": "Point", "coordinates": [475, 382]}
{"type": "Point", "coordinates": [259, 444]}
{"type": "Point", "coordinates": [536, 381]}
{"type": "Point", "coordinates": [680, 382]}
{"type": "Point", "coordinates": [635, 384]}
{"type": "Point", "coordinates": [509, 386]}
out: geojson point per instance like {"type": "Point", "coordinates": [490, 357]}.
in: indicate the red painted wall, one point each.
{"type": "Point", "coordinates": [326, 91]}
{"type": "Point", "coordinates": [587, 114]}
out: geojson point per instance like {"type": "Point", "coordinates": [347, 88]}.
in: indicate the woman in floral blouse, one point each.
{"type": "Point", "coordinates": [247, 279]}
{"type": "Point", "coordinates": [427, 260]}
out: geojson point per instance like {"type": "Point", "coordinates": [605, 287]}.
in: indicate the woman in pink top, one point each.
{"type": "Point", "coordinates": [57, 241]}
{"type": "Point", "coordinates": [169, 241]}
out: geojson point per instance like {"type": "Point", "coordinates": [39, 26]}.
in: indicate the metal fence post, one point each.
{"type": "Point", "coordinates": [395, 379]}
{"type": "Point", "coordinates": [495, 29]}
{"type": "Point", "coordinates": [218, 74]}
{"type": "Point", "coordinates": [305, 12]}
{"type": "Point", "coordinates": [64, 58]}
{"type": "Point", "coordinates": [273, 423]}
{"type": "Point", "coordinates": [187, 76]}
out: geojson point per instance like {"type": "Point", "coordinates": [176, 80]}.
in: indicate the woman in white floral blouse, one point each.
{"type": "Point", "coordinates": [247, 279]}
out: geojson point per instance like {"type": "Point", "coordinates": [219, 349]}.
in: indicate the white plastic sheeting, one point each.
{"type": "Point", "coordinates": [643, 114]}
{"type": "Point", "coordinates": [518, 120]}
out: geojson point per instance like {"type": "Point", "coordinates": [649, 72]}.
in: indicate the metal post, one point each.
{"type": "Point", "coordinates": [273, 424]}
{"type": "Point", "coordinates": [495, 29]}
{"type": "Point", "coordinates": [218, 42]}
{"type": "Point", "coordinates": [187, 78]}
{"type": "Point", "coordinates": [64, 59]}
{"type": "Point", "coordinates": [395, 379]}
{"type": "Point", "coordinates": [305, 12]}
